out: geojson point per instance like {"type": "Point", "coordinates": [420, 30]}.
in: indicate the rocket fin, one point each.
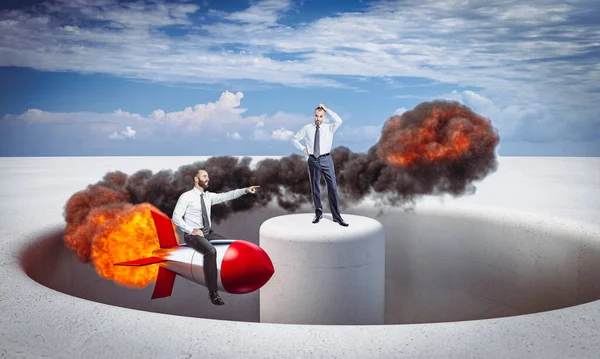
{"type": "Point", "coordinates": [164, 283]}
{"type": "Point", "coordinates": [141, 262]}
{"type": "Point", "coordinates": [164, 230]}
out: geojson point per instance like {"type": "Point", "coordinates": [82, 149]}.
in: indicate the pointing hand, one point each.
{"type": "Point", "coordinates": [251, 189]}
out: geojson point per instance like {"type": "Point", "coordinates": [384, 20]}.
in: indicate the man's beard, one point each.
{"type": "Point", "coordinates": [203, 184]}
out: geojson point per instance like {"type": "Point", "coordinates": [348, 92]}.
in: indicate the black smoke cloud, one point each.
{"type": "Point", "coordinates": [285, 181]}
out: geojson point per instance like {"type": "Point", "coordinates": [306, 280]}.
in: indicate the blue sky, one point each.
{"type": "Point", "coordinates": [83, 77]}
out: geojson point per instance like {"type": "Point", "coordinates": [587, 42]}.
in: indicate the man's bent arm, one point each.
{"type": "Point", "coordinates": [337, 121]}
{"type": "Point", "coordinates": [296, 140]}
{"type": "Point", "coordinates": [227, 196]}
{"type": "Point", "coordinates": [178, 213]}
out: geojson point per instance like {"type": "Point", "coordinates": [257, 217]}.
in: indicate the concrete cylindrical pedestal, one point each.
{"type": "Point", "coordinates": [324, 273]}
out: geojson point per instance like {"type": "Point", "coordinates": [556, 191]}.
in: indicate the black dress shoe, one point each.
{"type": "Point", "coordinates": [215, 298]}
{"type": "Point", "coordinates": [341, 223]}
{"type": "Point", "coordinates": [317, 219]}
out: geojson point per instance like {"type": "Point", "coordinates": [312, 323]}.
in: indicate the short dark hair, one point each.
{"type": "Point", "coordinates": [320, 108]}
{"type": "Point", "coordinates": [196, 173]}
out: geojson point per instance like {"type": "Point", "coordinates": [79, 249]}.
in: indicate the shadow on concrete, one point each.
{"type": "Point", "coordinates": [440, 267]}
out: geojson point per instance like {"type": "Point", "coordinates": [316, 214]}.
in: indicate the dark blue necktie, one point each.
{"type": "Point", "coordinates": [317, 146]}
{"type": "Point", "coordinates": [205, 221]}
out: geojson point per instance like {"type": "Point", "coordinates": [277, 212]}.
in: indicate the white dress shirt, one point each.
{"type": "Point", "coordinates": [326, 131]}
{"type": "Point", "coordinates": [188, 210]}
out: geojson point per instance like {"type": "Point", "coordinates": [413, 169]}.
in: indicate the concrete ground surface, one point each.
{"type": "Point", "coordinates": [559, 195]}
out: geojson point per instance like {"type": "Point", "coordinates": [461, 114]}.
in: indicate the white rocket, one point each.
{"type": "Point", "coordinates": [242, 266]}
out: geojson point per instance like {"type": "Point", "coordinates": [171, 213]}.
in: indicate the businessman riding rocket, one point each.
{"type": "Point", "coordinates": [233, 266]}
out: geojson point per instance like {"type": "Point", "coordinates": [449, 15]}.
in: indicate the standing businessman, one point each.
{"type": "Point", "coordinates": [192, 216]}
{"type": "Point", "coordinates": [319, 138]}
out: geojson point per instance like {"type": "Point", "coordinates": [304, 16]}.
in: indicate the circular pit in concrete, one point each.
{"type": "Point", "coordinates": [441, 265]}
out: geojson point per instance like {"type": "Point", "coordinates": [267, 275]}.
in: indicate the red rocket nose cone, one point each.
{"type": "Point", "coordinates": [246, 267]}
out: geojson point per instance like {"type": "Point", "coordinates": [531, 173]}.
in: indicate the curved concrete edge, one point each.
{"type": "Point", "coordinates": [514, 216]}
{"type": "Point", "coordinates": [492, 213]}
{"type": "Point", "coordinates": [39, 322]}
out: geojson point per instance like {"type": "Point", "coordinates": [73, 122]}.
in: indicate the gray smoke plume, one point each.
{"type": "Point", "coordinates": [438, 147]}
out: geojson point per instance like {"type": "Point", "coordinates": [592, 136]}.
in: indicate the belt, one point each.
{"type": "Point", "coordinates": [321, 156]}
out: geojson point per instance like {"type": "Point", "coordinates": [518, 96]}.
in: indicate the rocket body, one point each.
{"type": "Point", "coordinates": [242, 267]}
{"type": "Point", "coordinates": [189, 264]}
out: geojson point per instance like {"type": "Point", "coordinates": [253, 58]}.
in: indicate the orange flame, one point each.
{"type": "Point", "coordinates": [446, 133]}
{"type": "Point", "coordinates": [126, 235]}
{"type": "Point", "coordinates": [84, 211]}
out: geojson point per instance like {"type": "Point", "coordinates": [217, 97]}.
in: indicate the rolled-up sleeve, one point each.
{"type": "Point", "coordinates": [217, 198]}
{"type": "Point", "coordinates": [337, 120]}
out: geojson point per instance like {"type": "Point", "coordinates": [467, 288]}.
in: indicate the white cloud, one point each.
{"type": "Point", "coordinates": [97, 122]}
{"type": "Point", "coordinates": [217, 114]}
{"type": "Point", "coordinates": [38, 116]}
{"type": "Point", "coordinates": [477, 100]}
{"type": "Point", "coordinates": [259, 121]}
{"type": "Point", "coordinates": [70, 28]}
{"type": "Point", "coordinates": [410, 97]}
{"type": "Point", "coordinates": [157, 115]}
{"type": "Point", "coordinates": [260, 134]}
{"type": "Point", "coordinates": [121, 113]}
{"type": "Point", "coordinates": [223, 117]}
{"type": "Point", "coordinates": [523, 122]}
{"type": "Point", "coordinates": [282, 134]}
{"type": "Point", "coordinates": [279, 134]}
{"type": "Point", "coordinates": [286, 119]}
{"type": "Point", "coordinates": [358, 134]}
{"type": "Point", "coordinates": [529, 54]}
{"type": "Point", "coordinates": [468, 43]}
{"type": "Point", "coordinates": [263, 12]}
{"type": "Point", "coordinates": [400, 111]}
{"type": "Point", "coordinates": [235, 136]}
{"type": "Point", "coordinates": [128, 133]}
